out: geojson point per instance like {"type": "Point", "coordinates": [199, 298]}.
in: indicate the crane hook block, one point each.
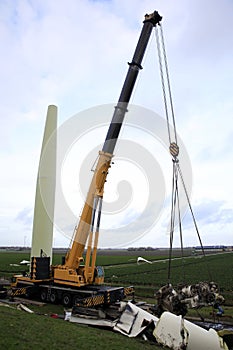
{"type": "Point", "coordinates": [174, 149]}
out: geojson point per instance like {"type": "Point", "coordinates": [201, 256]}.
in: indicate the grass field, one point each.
{"type": "Point", "coordinates": [121, 268]}
{"type": "Point", "coordinates": [25, 331]}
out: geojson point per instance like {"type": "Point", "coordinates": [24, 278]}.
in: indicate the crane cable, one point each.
{"type": "Point", "coordinates": [168, 80]}
{"type": "Point", "coordinates": [174, 151]}
{"type": "Point", "coordinates": [175, 204]}
{"type": "Point", "coordinates": [194, 221]}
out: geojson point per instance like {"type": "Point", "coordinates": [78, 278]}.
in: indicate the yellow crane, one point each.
{"type": "Point", "coordinates": [68, 280]}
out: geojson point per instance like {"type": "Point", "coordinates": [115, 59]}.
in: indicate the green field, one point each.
{"type": "Point", "coordinates": [23, 331]}
{"type": "Point", "coordinates": [30, 331]}
{"type": "Point", "coordinates": [121, 268]}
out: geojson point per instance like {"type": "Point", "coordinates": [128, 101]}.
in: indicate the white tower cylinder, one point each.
{"type": "Point", "coordinates": [177, 333]}
{"type": "Point", "coordinates": [42, 235]}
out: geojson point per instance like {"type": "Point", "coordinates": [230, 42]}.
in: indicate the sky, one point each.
{"type": "Point", "coordinates": [74, 55]}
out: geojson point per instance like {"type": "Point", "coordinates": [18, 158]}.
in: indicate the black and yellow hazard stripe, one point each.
{"type": "Point", "coordinates": [174, 149]}
{"type": "Point", "coordinates": [92, 301]}
{"type": "Point", "coordinates": [128, 291]}
{"type": "Point", "coordinates": [18, 291]}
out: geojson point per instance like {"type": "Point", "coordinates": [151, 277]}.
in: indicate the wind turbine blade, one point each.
{"type": "Point", "coordinates": [140, 259]}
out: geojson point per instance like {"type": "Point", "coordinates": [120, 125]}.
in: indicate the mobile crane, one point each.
{"type": "Point", "coordinates": [76, 280]}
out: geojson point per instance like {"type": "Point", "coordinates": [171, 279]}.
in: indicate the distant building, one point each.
{"type": "Point", "coordinates": [220, 248]}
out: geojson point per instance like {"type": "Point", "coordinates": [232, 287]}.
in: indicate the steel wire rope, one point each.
{"type": "Point", "coordinates": [194, 220]}
{"type": "Point", "coordinates": [175, 204]}
{"type": "Point", "coordinates": [162, 57]}
{"type": "Point", "coordinates": [162, 81]}
{"type": "Point", "coordinates": [172, 224]}
{"type": "Point", "coordinates": [168, 81]}
{"type": "Point", "coordinates": [180, 226]}
{"type": "Point", "coordinates": [163, 62]}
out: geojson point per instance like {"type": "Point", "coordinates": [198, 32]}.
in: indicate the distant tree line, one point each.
{"type": "Point", "coordinates": [141, 249]}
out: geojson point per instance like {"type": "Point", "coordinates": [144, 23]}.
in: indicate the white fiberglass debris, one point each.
{"type": "Point", "coordinates": [141, 259]}
{"type": "Point", "coordinates": [133, 320]}
{"type": "Point", "coordinates": [178, 334]}
{"type": "Point", "coordinates": [25, 308]}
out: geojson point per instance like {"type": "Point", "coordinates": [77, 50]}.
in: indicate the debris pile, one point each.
{"type": "Point", "coordinates": [188, 296]}
{"type": "Point", "coordinates": [169, 330]}
{"type": "Point", "coordinates": [135, 320]}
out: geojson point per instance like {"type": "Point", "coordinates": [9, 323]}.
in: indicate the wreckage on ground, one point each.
{"type": "Point", "coordinates": [169, 330]}
{"type": "Point", "coordinates": [187, 297]}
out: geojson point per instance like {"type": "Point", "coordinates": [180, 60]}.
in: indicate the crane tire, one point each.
{"type": "Point", "coordinates": [53, 297]}
{"type": "Point", "coordinates": [43, 295]}
{"type": "Point", "coordinates": [66, 300]}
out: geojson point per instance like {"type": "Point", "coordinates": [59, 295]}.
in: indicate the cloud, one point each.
{"type": "Point", "coordinates": [25, 217]}
{"type": "Point", "coordinates": [210, 212]}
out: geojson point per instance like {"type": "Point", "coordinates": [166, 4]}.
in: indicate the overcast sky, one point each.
{"type": "Point", "coordinates": [74, 54]}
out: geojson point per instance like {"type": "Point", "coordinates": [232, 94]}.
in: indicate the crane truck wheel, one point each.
{"type": "Point", "coordinates": [53, 297]}
{"type": "Point", "coordinates": [43, 295]}
{"type": "Point", "coordinates": [66, 300]}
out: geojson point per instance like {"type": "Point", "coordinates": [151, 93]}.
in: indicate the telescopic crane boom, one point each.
{"type": "Point", "coordinates": [74, 271]}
